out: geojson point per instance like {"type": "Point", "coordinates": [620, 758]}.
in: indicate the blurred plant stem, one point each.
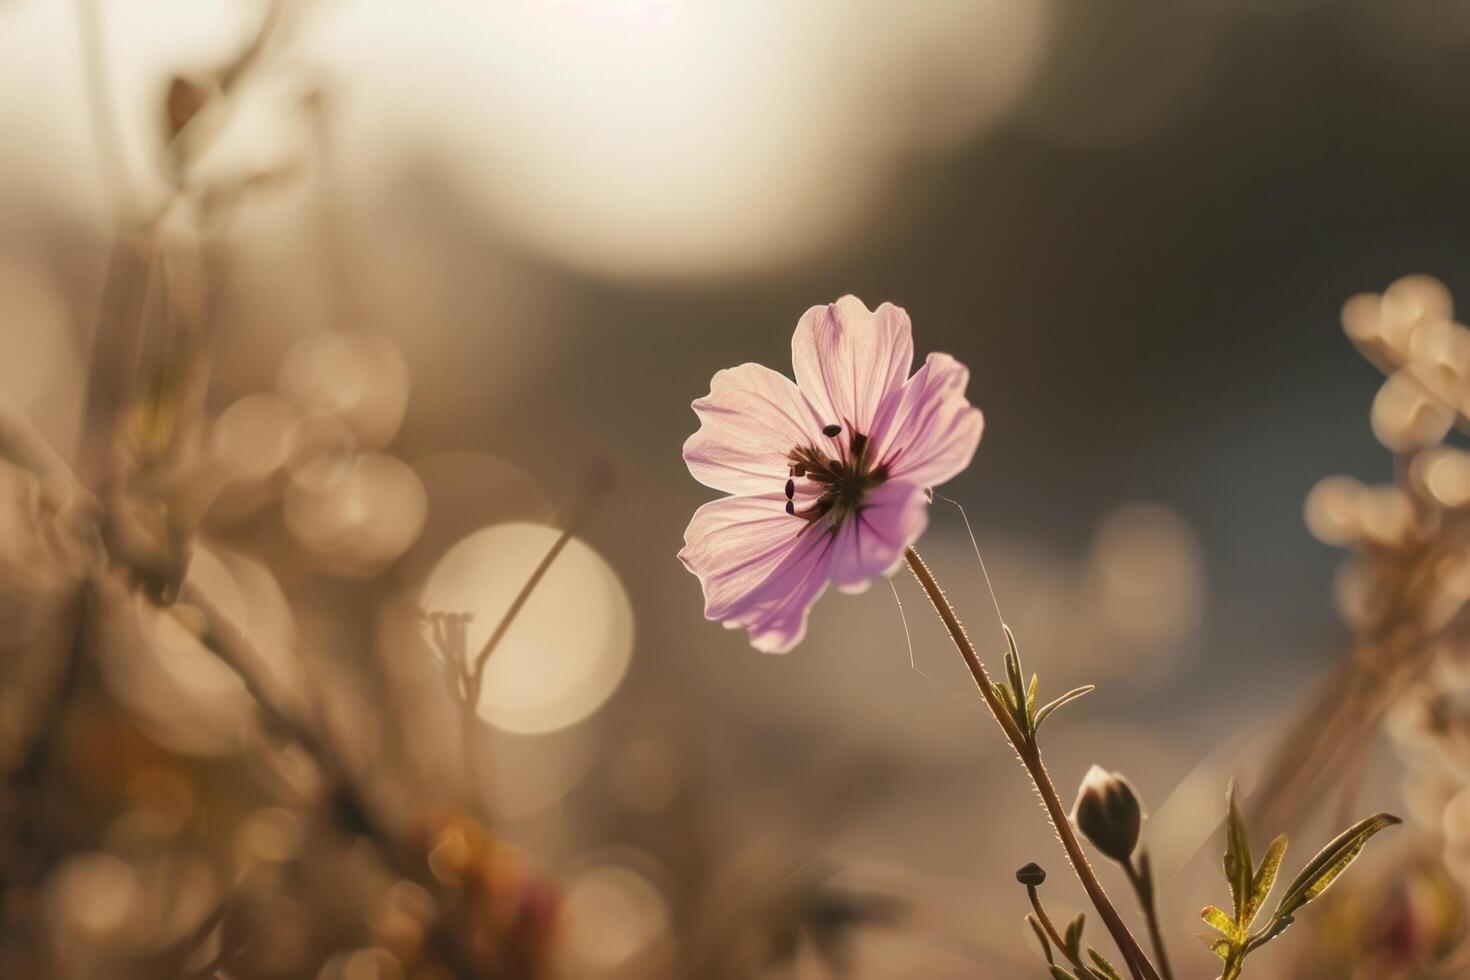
{"type": "Point", "coordinates": [1141, 877]}
{"type": "Point", "coordinates": [1029, 752]}
{"type": "Point", "coordinates": [346, 802]}
{"type": "Point", "coordinates": [466, 677]}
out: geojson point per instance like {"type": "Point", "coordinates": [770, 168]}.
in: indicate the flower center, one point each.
{"type": "Point", "coordinates": [843, 480]}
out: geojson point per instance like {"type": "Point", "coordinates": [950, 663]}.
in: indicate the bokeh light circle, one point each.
{"type": "Point", "coordinates": [569, 647]}
{"type": "Point", "coordinates": [355, 515]}
{"type": "Point", "coordinates": [358, 375]}
{"type": "Point", "coordinates": [614, 916]}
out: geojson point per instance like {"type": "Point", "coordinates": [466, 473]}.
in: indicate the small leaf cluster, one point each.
{"type": "Point", "coordinates": [1019, 696]}
{"type": "Point", "coordinates": [1098, 969]}
{"type": "Point", "coordinates": [1251, 884]}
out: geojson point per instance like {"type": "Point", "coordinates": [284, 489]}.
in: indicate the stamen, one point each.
{"type": "Point", "coordinates": [799, 470]}
{"type": "Point", "coordinates": [832, 431]}
{"type": "Point", "coordinates": [790, 489]}
{"type": "Point", "coordinates": [858, 442]}
{"type": "Point", "coordinates": [790, 508]}
{"type": "Point", "coordinates": [879, 474]}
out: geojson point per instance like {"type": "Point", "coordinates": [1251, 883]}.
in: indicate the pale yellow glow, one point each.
{"type": "Point", "coordinates": [635, 138]}
{"type": "Point", "coordinates": [652, 140]}
{"type": "Point", "coordinates": [613, 915]}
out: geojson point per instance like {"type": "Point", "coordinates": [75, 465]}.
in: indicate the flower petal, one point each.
{"type": "Point", "coordinates": [848, 359]}
{"type": "Point", "coordinates": [928, 431]}
{"type": "Point", "coordinates": [751, 418]}
{"type": "Point", "coordinates": [872, 542]}
{"type": "Point", "coordinates": [761, 568]}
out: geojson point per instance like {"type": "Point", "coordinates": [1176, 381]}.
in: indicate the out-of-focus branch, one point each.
{"type": "Point", "coordinates": [248, 57]}
{"type": "Point", "coordinates": [597, 483]}
{"type": "Point", "coordinates": [227, 641]}
{"type": "Point", "coordinates": [42, 736]}
{"type": "Point", "coordinates": [349, 804]}
{"type": "Point", "coordinates": [22, 443]}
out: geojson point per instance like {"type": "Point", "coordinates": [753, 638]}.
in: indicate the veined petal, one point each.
{"type": "Point", "coordinates": [761, 568]}
{"type": "Point", "coordinates": [849, 359]}
{"type": "Point", "coordinates": [751, 418]}
{"type": "Point", "coordinates": [871, 542]}
{"type": "Point", "coordinates": [928, 431]}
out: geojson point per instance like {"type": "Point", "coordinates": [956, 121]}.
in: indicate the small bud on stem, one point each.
{"type": "Point", "coordinates": [1108, 814]}
{"type": "Point", "coordinates": [1032, 875]}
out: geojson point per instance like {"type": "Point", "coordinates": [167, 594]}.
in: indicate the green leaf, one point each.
{"type": "Point", "coordinates": [1006, 696]}
{"type": "Point", "coordinates": [1217, 919]}
{"type": "Point", "coordinates": [1051, 706]}
{"type": "Point", "coordinates": [1103, 966]}
{"type": "Point", "coordinates": [1264, 881]}
{"type": "Point", "coordinates": [1278, 925]}
{"type": "Point", "coordinates": [1059, 974]}
{"type": "Point", "coordinates": [1013, 659]}
{"type": "Point", "coordinates": [1238, 863]}
{"type": "Point", "coordinates": [1031, 697]}
{"type": "Point", "coordinates": [1016, 679]}
{"type": "Point", "coordinates": [1073, 936]}
{"type": "Point", "coordinates": [1330, 862]}
{"type": "Point", "coordinates": [1220, 947]}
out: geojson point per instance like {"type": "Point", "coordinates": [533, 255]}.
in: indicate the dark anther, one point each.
{"type": "Point", "coordinates": [790, 489]}
{"type": "Point", "coordinates": [832, 431]}
{"type": "Point", "coordinates": [799, 470]}
{"type": "Point", "coordinates": [790, 507]}
{"type": "Point", "coordinates": [879, 474]}
{"type": "Point", "coordinates": [858, 442]}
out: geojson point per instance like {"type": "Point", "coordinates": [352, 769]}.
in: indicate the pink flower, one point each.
{"type": "Point", "coordinates": [827, 477]}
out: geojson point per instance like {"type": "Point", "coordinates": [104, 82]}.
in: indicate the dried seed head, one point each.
{"type": "Point", "coordinates": [1108, 814]}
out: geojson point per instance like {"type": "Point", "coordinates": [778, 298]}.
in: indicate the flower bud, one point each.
{"type": "Point", "coordinates": [1031, 875]}
{"type": "Point", "coordinates": [1108, 814]}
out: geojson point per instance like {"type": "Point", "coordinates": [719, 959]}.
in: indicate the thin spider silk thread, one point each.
{"type": "Point", "coordinates": [976, 545]}
{"type": "Point", "coordinates": [914, 664]}
{"type": "Point", "coordinates": [903, 617]}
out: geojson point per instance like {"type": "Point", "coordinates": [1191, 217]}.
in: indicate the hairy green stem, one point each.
{"type": "Point", "coordinates": [1030, 755]}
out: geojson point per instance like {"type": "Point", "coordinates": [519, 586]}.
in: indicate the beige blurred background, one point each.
{"type": "Point", "coordinates": [466, 251]}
